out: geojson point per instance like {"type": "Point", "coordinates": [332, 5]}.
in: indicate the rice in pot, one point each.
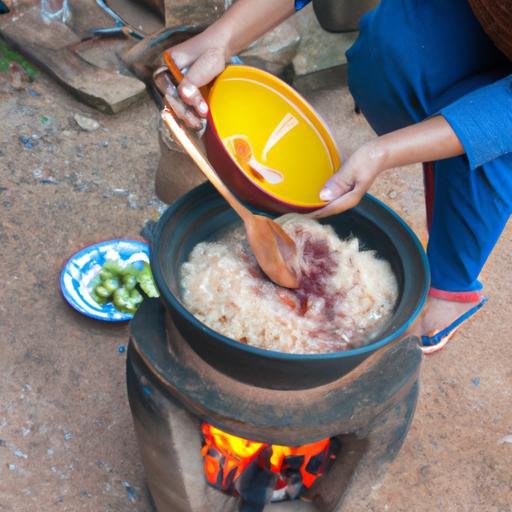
{"type": "Point", "coordinates": [345, 295]}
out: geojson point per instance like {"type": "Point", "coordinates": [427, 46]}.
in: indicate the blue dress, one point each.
{"type": "Point", "coordinates": [418, 58]}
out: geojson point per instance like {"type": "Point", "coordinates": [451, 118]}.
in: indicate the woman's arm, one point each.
{"type": "Point", "coordinates": [433, 139]}
{"type": "Point", "coordinates": [207, 53]}
{"type": "Point", "coordinates": [478, 124]}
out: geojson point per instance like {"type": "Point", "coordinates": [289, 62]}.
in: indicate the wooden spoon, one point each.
{"type": "Point", "coordinates": [272, 247]}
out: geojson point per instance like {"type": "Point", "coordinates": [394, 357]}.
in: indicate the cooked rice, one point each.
{"type": "Point", "coordinates": [345, 297]}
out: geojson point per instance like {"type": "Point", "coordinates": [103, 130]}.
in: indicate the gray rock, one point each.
{"type": "Point", "coordinates": [86, 123]}
{"type": "Point", "coordinates": [276, 49]}
{"type": "Point", "coordinates": [319, 50]}
{"type": "Point", "coordinates": [194, 12]}
{"type": "Point", "coordinates": [273, 52]}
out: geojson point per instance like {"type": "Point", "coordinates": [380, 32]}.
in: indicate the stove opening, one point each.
{"type": "Point", "coordinates": [260, 472]}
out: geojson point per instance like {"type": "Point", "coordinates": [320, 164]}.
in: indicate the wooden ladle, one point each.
{"type": "Point", "coordinates": [273, 249]}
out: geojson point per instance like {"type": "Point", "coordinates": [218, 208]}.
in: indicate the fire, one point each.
{"type": "Point", "coordinates": [227, 457]}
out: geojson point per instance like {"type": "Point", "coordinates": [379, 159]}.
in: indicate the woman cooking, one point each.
{"type": "Point", "coordinates": [434, 80]}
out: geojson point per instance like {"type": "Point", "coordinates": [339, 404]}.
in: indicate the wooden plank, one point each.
{"type": "Point", "coordinates": [52, 47]}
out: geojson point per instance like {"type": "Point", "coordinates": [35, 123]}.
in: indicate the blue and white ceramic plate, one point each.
{"type": "Point", "coordinates": [84, 266]}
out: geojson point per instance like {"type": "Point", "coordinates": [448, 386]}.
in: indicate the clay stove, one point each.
{"type": "Point", "coordinates": [364, 416]}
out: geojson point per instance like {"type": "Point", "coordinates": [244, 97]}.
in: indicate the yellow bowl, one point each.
{"type": "Point", "coordinates": [284, 131]}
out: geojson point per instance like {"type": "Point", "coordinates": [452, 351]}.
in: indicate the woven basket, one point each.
{"type": "Point", "coordinates": [495, 16]}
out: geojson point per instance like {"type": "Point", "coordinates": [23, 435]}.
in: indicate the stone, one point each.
{"type": "Point", "coordinates": [51, 46]}
{"type": "Point", "coordinates": [272, 52]}
{"type": "Point", "coordinates": [275, 50]}
{"type": "Point", "coordinates": [17, 76]}
{"type": "Point", "coordinates": [86, 123]}
{"type": "Point", "coordinates": [318, 49]}
{"type": "Point", "coordinates": [194, 12]}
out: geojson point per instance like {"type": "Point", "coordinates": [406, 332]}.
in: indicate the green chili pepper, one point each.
{"type": "Point", "coordinates": [146, 281]}
{"type": "Point", "coordinates": [123, 302]}
{"type": "Point", "coordinates": [100, 300]}
{"type": "Point", "coordinates": [113, 266]}
{"type": "Point", "coordinates": [121, 285]}
{"type": "Point", "coordinates": [102, 292]}
{"type": "Point", "coordinates": [106, 274]}
{"type": "Point", "coordinates": [111, 284]}
{"type": "Point", "coordinates": [136, 297]}
{"type": "Point", "coordinates": [129, 281]}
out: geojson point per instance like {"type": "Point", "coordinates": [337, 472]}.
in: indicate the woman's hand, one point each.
{"type": "Point", "coordinates": [203, 62]}
{"type": "Point", "coordinates": [206, 54]}
{"type": "Point", "coordinates": [347, 187]}
{"type": "Point", "coordinates": [427, 141]}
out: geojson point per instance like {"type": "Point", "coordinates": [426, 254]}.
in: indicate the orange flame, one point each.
{"type": "Point", "coordinates": [226, 456]}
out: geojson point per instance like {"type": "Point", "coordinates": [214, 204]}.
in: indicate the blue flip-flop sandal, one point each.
{"type": "Point", "coordinates": [436, 342]}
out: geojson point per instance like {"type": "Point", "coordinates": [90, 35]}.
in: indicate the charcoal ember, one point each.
{"type": "Point", "coordinates": [292, 475]}
{"type": "Point", "coordinates": [256, 484]}
{"type": "Point", "coordinates": [294, 484]}
{"type": "Point", "coordinates": [315, 464]}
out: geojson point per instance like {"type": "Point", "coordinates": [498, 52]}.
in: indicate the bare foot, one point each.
{"type": "Point", "coordinates": [438, 314]}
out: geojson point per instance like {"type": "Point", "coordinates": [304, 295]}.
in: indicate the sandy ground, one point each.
{"type": "Point", "coordinates": [66, 437]}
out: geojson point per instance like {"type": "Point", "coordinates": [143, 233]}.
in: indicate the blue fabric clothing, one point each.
{"type": "Point", "coordinates": [483, 115]}
{"type": "Point", "coordinates": [418, 58]}
{"type": "Point", "coordinates": [470, 212]}
{"type": "Point", "coordinates": [415, 59]}
{"type": "Point", "coordinates": [299, 4]}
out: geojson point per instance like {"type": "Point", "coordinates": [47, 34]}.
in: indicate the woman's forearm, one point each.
{"type": "Point", "coordinates": [245, 22]}
{"type": "Point", "coordinates": [427, 141]}
{"type": "Point", "coordinates": [206, 54]}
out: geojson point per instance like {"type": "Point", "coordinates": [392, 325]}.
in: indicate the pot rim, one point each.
{"type": "Point", "coordinates": [371, 347]}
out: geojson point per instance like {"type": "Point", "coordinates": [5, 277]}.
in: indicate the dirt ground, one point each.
{"type": "Point", "coordinates": [66, 436]}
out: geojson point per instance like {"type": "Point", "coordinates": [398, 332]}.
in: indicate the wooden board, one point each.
{"type": "Point", "coordinates": [67, 53]}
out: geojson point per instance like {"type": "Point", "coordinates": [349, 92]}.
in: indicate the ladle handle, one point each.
{"type": "Point", "coordinates": [173, 68]}
{"type": "Point", "coordinates": [177, 74]}
{"type": "Point", "coordinates": [204, 165]}
{"type": "Point", "coordinates": [181, 135]}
